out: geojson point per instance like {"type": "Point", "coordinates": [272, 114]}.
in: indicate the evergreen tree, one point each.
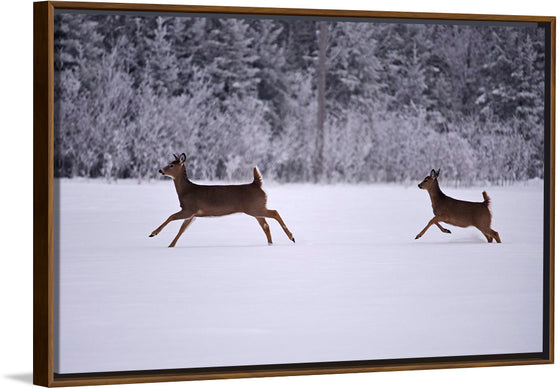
{"type": "Point", "coordinates": [161, 63]}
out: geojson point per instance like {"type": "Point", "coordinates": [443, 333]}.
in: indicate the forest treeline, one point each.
{"type": "Point", "coordinates": [233, 93]}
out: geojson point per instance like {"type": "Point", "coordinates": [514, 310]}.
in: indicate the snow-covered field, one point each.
{"type": "Point", "coordinates": [354, 286]}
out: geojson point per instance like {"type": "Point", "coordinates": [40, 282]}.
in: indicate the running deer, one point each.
{"type": "Point", "coordinates": [217, 200]}
{"type": "Point", "coordinates": [457, 212]}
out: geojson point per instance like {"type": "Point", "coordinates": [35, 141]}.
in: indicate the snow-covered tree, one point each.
{"type": "Point", "coordinates": [400, 98]}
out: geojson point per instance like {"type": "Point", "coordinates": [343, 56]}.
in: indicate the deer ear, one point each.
{"type": "Point", "coordinates": [433, 173]}
{"type": "Point", "coordinates": [182, 158]}
{"type": "Point", "coordinates": [437, 173]}
{"type": "Point", "coordinates": [176, 157]}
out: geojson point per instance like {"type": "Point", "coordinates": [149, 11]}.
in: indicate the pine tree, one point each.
{"type": "Point", "coordinates": [161, 63]}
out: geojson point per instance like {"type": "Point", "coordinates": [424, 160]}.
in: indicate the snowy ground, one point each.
{"type": "Point", "coordinates": [354, 286]}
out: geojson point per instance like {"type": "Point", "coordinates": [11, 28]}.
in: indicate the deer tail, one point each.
{"type": "Point", "coordinates": [257, 177]}
{"type": "Point", "coordinates": [486, 198]}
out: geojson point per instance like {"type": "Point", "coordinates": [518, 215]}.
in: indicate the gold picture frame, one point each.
{"type": "Point", "coordinates": [44, 278]}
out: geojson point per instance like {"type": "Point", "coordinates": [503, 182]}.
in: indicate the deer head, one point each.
{"type": "Point", "coordinates": [174, 168]}
{"type": "Point", "coordinates": [430, 180]}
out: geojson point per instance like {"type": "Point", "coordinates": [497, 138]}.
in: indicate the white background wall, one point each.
{"type": "Point", "coordinates": [16, 153]}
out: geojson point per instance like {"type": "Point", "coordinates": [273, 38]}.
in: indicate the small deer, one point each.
{"type": "Point", "coordinates": [217, 200]}
{"type": "Point", "coordinates": [457, 212]}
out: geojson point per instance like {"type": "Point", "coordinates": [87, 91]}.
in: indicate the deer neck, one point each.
{"type": "Point", "coordinates": [182, 183]}
{"type": "Point", "coordinates": [436, 195]}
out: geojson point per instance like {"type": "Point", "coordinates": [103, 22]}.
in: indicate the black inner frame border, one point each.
{"type": "Point", "coordinates": [302, 366]}
{"type": "Point", "coordinates": [547, 286]}
{"type": "Point", "coordinates": [355, 19]}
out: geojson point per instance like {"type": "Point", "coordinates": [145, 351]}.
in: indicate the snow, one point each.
{"type": "Point", "coordinates": [354, 286]}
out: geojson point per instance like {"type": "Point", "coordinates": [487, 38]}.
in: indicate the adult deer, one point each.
{"type": "Point", "coordinates": [217, 200]}
{"type": "Point", "coordinates": [457, 212]}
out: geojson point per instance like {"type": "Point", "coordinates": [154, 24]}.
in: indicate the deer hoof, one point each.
{"type": "Point", "coordinates": [417, 237]}
{"type": "Point", "coordinates": [151, 235]}
{"type": "Point", "coordinates": [447, 231]}
{"type": "Point", "coordinates": [293, 239]}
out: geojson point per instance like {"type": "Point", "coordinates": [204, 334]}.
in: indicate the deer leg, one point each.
{"type": "Point", "coordinates": [496, 236]}
{"type": "Point", "coordinates": [432, 221]}
{"type": "Point", "coordinates": [181, 230]}
{"type": "Point", "coordinates": [488, 238]}
{"type": "Point", "coordinates": [265, 227]}
{"type": "Point", "coordinates": [178, 215]}
{"type": "Point", "coordinates": [275, 215]}
{"type": "Point", "coordinates": [490, 234]}
{"type": "Point", "coordinates": [487, 235]}
{"type": "Point", "coordinates": [444, 230]}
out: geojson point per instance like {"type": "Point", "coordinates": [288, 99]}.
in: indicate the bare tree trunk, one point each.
{"type": "Point", "coordinates": [319, 140]}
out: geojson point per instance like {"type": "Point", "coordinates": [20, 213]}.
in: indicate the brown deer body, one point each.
{"type": "Point", "coordinates": [457, 212]}
{"type": "Point", "coordinates": [217, 200]}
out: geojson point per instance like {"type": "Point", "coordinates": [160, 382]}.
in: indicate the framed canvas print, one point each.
{"type": "Point", "coordinates": [225, 192]}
